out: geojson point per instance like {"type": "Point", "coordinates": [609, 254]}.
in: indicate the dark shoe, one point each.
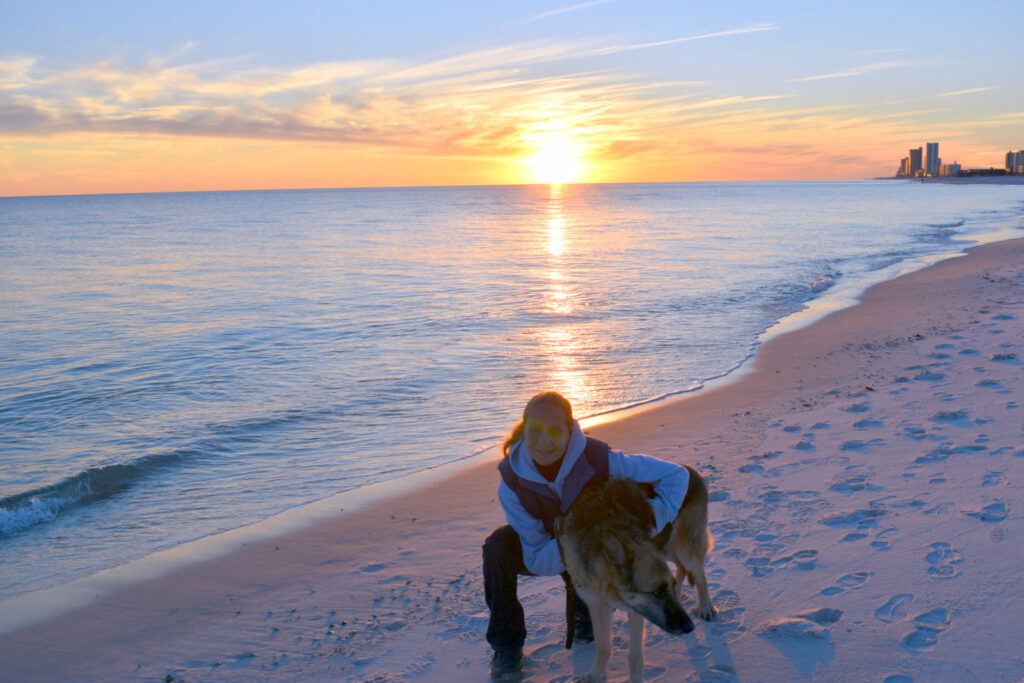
{"type": "Point", "coordinates": [507, 664]}
{"type": "Point", "coordinates": [583, 631]}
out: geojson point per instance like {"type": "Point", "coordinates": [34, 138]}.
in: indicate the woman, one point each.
{"type": "Point", "coordinates": [548, 461]}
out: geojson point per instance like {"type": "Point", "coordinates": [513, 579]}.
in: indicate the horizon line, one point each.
{"type": "Point", "coordinates": [427, 187]}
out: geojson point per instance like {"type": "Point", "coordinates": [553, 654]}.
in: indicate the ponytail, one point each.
{"type": "Point", "coordinates": [516, 435]}
{"type": "Point", "coordinates": [547, 397]}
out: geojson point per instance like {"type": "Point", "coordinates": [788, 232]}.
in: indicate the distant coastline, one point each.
{"type": "Point", "coordinates": [964, 180]}
{"type": "Point", "coordinates": [975, 180]}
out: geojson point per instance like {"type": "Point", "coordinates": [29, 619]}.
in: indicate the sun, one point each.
{"type": "Point", "coordinates": [555, 162]}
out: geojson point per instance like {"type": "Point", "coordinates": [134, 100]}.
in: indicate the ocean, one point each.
{"type": "Point", "coordinates": [173, 366]}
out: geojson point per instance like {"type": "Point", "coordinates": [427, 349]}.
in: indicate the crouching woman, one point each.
{"type": "Point", "coordinates": [548, 461]}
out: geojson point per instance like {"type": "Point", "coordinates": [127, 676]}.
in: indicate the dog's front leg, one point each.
{"type": "Point", "coordinates": [636, 647]}
{"type": "Point", "coordinates": [601, 618]}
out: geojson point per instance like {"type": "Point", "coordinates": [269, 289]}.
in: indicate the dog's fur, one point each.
{"type": "Point", "coordinates": [614, 562]}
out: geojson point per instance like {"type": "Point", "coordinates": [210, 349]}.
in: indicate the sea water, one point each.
{"type": "Point", "coordinates": [177, 365]}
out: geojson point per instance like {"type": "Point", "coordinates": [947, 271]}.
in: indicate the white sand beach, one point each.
{"type": "Point", "coordinates": [867, 487]}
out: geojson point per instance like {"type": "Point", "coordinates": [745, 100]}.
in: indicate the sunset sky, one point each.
{"type": "Point", "coordinates": [138, 96]}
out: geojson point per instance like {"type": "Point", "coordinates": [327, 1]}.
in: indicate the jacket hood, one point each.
{"type": "Point", "coordinates": [522, 463]}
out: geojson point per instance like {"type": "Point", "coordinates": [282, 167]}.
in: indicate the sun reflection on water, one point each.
{"type": "Point", "coordinates": [562, 341]}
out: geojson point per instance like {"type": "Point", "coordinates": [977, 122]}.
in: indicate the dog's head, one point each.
{"type": "Point", "coordinates": [642, 581]}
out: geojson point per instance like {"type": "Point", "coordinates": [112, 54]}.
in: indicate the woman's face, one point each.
{"type": "Point", "coordinates": [546, 432]}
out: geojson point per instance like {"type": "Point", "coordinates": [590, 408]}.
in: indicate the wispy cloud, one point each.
{"type": "Point", "coordinates": [753, 28]}
{"type": "Point", "coordinates": [483, 100]}
{"type": "Point", "coordinates": [857, 71]}
{"type": "Point", "coordinates": [965, 92]}
{"type": "Point", "coordinates": [563, 10]}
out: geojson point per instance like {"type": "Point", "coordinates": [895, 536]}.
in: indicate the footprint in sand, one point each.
{"type": "Point", "coordinates": [993, 512]}
{"type": "Point", "coordinates": [804, 560]}
{"type": "Point", "coordinates": [373, 568]}
{"type": "Point", "coordinates": [993, 479]}
{"type": "Point", "coordinates": [879, 542]}
{"type": "Point", "coordinates": [894, 609]}
{"type": "Point", "coordinates": [862, 519]}
{"type": "Point", "coordinates": [943, 561]}
{"type": "Point", "coordinates": [929, 376]}
{"type": "Point", "coordinates": [916, 433]}
{"type": "Point", "coordinates": [929, 626]}
{"type": "Point", "coordinates": [848, 582]}
{"type": "Point", "coordinates": [858, 446]}
{"type": "Point", "coordinates": [812, 625]}
{"type": "Point", "coordinates": [943, 453]}
{"type": "Point", "coordinates": [719, 672]}
{"type": "Point", "coordinates": [854, 478]}
{"type": "Point", "coordinates": [950, 416]}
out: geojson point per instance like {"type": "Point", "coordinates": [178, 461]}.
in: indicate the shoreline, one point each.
{"type": "Point", "coordinates": [386, 548]}
{"type": "Point", "coordinates": [34, 607]}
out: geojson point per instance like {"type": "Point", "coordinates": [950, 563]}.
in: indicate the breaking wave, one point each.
{"type": "Point", "coordinates": [23, 510]}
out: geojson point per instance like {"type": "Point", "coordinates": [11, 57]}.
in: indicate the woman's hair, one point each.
{"type": "Point", "coordinates": [552, 398]}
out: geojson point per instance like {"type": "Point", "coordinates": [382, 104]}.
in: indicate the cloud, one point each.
{"type": "Point", "coordinates": [14, 73]}
{"type": "Point", "coordinates": [753, 28]}
{"type": "Point", "coordinates": [965, 92]}
{"type": "Point", "coordinates": [857, 71]}
{"type": "Point", "coordinates": [457, 101]}
{"type": "Point", "coordinates": [563, 10]}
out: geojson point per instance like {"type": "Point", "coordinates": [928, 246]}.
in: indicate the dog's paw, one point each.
{"type": "Point", "coordinates": [708, 613]}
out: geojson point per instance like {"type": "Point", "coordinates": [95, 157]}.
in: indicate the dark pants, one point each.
{"type": "Point", "coordinates": [503, 563]}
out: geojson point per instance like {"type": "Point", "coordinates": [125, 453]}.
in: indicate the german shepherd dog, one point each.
{"type": "Point", "coordinates": [614, 562]}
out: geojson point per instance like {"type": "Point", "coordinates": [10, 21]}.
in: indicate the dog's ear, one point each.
{"type": "Point", "coordinates": [615, 549]}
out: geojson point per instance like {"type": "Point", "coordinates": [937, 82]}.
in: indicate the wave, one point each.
{"type": "Point", "coordinates": [23, 510]}
{"type": "Point", "coordinates": [822, 284]}
{"type": "Point", "coordinates": [955, 224]}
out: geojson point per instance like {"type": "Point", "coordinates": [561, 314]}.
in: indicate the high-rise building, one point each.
{"type": "Point", "coordinates": [1010, 162]}
{"type": "Point", "coordinates": [931, 159]}
{"type": "Point", "coordinates": [1018, 162]}
{"type": "Point", "coordinates": [915, 161]}
{"type": "Point", "coordinates": [904, 167]}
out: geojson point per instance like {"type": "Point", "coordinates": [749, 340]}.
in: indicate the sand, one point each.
{"type": "Point", "coordinates": [866, 479]}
